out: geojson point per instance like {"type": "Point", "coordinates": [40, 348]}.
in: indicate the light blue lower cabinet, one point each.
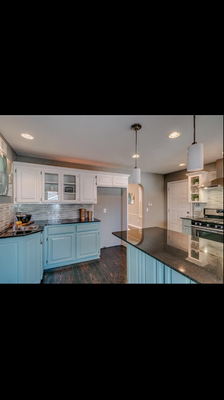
{"type": "Point", "coordinates": [61, 250]}
{"type": "Point", "coordinates": [32, 268]}
{"type": "Point", "coordinates": [87, 245]}
{"type": "Point", "coordinates": [11, 260]}
{"type": "Point", "coordinates": [142, 268]}
{"type": "Point", "coordinates": [20, 259]}
{"type": "Point", "coordinates": [72, 243]}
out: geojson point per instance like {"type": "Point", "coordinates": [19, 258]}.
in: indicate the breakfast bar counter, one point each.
{"type": "Point", "coordinates": [157, 255]}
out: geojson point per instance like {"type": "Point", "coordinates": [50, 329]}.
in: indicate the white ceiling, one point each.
{"type": "Point", "coordinates": [108, 139]}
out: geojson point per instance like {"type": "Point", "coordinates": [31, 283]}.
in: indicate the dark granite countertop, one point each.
{"type": "Point", "coordinates": [195, 218]}
{"type": "Point", "coordinates": [65, 221]}
{"type": "Point", "coordinates": [7, 233]}
{"type": "Point", "coordinates": [196, 258]}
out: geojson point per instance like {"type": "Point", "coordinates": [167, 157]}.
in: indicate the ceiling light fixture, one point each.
{"type": "Point", "coordinates": [135, 156]}
{"type": "Point", "coordinates": [174, 135]}
{"type": "Point", "coordinates": [195, 154]}
{"type": "Point", "coordinates": [136, 173]}
{"type": "Point", "coordinates": [181, 165]}
{"type": "Point", "coordinates": [26, 136]}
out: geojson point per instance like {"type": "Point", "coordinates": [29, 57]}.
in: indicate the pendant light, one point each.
{"type": "Point", "coordinates": [136, 173]}
{"type": "Point", "coordinates": [195, 155]}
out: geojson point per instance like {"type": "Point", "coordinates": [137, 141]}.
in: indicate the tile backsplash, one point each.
{"type": "Point", "coordinates": [215, 200]}
{"type": "Point", "coordinates": [6, 215]}
{"type": "Point", "coordinates": [41, 212]}
{"type": "Point", "coordinates": [53, 211]}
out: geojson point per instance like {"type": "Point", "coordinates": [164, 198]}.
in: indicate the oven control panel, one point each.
{"type": "Point", "coordinates": [207, 225]}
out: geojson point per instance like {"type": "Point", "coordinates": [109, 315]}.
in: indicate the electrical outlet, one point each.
{"type": "Point", "coordinates": [104, 210]}
{"type": "Point", "coordinates": [147, 209]}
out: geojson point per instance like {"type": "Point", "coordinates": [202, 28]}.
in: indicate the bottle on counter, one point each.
{"type": "Point", "coordinates": [82, 214]}
{"type": "Point", "coordinates": [89, 215]}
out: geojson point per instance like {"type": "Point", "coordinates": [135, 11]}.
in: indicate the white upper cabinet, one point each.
{"type": "Point", "coordinates": [195, 193]}
{"type": "Point", "coordinates": [120, 181]}
{"type": "Point", "coordinates": [88, 188]}
{"type": "Point", "coordinates": [26, 185]}
{"type": "Point", "coordinates": [51, 186]}
{"type": "Point", "coordinates": [70, 188]}
{"type": "Point", "coordinates": [36, 183]}
{"type": "Point", "coordinates": [110, 180]}
{"type": "Point", "coordinates": [104, 180]}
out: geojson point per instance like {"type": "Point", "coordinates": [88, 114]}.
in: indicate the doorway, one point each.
{"type": "Point", "coordinates": [177, 204]}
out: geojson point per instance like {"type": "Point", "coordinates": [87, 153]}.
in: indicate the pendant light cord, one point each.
{"type": "Point", "coordinates": [194, 142]}
{"type": "Point", "coordinates": [136, 147]}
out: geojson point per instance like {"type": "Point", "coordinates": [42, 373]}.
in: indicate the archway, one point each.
{"type": "Point", "coordinates": [135, 206]}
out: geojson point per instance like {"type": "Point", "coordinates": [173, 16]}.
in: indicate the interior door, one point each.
{"type": "Point", "coordinates": [178, 204]}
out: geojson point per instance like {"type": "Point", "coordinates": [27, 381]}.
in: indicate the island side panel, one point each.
{"type": "Point", "coordinates": [142, 268]}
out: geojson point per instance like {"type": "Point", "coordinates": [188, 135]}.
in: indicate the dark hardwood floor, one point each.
{"type": "Point", "coordinates": [110, 268]}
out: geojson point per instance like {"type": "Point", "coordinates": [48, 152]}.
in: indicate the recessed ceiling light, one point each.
{"type": "Point", "coordinates": [174, 135]}
{"type": "Point", "coordinates": [181, 165]}
{"type": "Point", "coordinates": [135, 156]}
{"type": "Point", "coordinates": [26, 136]}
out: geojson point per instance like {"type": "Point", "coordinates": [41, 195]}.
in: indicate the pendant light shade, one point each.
{"type": "Point", "coordinates": [195, 155]}
{"type": "Point", "coordinates": [136, 173]}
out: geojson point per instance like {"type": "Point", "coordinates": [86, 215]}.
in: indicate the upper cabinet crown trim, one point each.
{"type": "Point", "coordinates": [76, 170]}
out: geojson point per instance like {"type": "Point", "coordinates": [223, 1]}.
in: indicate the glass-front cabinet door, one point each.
{"type": "Point", "coordinates": [70, 188]}
{"type": "Point", "coordinates": [51, 187]}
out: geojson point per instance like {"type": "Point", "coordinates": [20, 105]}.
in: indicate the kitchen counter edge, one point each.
{"type": "Point", "coordinates": [41, 225]}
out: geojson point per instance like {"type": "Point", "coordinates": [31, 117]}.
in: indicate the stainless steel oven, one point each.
{"type": "Point", "coordinates": [210, 226]}
{"type": "Point", "coordinates": [207, 233]}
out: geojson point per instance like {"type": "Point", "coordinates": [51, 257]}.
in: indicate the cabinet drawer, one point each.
{"type": "Point", "coordinates": [54, 230]}
{"type": "Point", "coordinates": [92, 226]}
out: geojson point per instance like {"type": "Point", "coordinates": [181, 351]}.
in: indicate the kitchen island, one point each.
{"type": "Point", "coordinates": [157, 255]}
